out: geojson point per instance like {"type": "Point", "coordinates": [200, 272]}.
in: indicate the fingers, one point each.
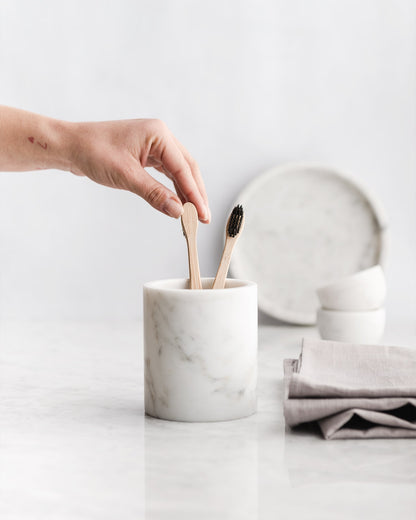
{"type": "Point", "coordinates": [157, 195]}
{"type": "Point", "coordinates": [196, 173]}
{"type": "Point", "coordinates": [180, 171]}
{"type": "Point", "coordinates": [179, 193]}
{"type": "Point", "coordinates": [162, 169]}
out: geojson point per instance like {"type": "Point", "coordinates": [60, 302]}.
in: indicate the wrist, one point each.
{"type": "Point", "coordinates": [63, 144]}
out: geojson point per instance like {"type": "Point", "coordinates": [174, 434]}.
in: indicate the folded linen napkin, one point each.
{"type": "Point", "coordinates": [352, 391]}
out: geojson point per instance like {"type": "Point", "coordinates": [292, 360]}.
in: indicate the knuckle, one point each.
{"type": "Point", "coordinates": [156, 196]}
{"type": "Point", "coordinates": [158, 125]}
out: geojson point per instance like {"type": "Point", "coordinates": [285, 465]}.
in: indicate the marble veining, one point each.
{"type": "Point", "coordinates": [306, 226]}
{"type": "Point", "coordinates": [200, 353]}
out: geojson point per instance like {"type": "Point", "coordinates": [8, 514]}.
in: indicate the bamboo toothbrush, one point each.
{"type": "Point", "coordinates": [189, 221]}
{"type": "Point", "coordinates": [233, 230]}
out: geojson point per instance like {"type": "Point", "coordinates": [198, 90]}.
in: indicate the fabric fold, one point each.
{"type": "Point", "coordinates": [352, 391]}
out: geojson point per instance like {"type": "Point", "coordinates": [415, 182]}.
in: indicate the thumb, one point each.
{"type": "Point", "coordinates": [156, 194]}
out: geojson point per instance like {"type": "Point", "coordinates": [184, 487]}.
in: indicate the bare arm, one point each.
{"type": "Point", "coordinates": [112, 153]}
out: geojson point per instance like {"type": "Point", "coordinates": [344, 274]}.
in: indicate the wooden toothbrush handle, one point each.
{"type": "Point", "coordinates": [221, 276]}
{"type": "Point", "coordinates": [194, 275]}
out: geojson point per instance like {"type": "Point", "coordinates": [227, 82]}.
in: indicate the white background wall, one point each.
{"type": "Point", "coordinates": [245, 85]}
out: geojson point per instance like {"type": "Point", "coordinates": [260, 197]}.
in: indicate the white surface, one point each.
{"type": "Point", "coordinates": [76, 445]}
{"type": "Point", "coordinates": [244, 84]}
{"type": "Point", "coordinates": [306, 226]}
{"type": "Point", "coordinates": [362, 291]}
{"type": "Point", "coordinates": [200, 350]}
{"type": "Point", "coordinates": [352, 327]}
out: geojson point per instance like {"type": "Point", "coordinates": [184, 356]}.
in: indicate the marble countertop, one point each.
{"type": "Point", "coordinates": [75, 444]}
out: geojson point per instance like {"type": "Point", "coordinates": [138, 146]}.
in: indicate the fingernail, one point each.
{"type": "Point", "coordinates": [207, 215]}
{"type": "Point", "coordinates": [172, 208]}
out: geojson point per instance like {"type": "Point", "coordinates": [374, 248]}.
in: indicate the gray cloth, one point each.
{"type": "Point", "coordinates": [352, 391]}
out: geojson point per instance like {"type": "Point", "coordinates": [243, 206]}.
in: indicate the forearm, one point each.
{"type": "Point", "coordinates": [30, 141]}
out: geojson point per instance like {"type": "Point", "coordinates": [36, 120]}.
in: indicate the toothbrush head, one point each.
{"type": "Point", "coordinates": [235, 222]}
{"type": "Point", "coordinates": [189, 219]}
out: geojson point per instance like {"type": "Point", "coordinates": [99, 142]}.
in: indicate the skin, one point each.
{"type": "Point", "coordinates": [111, 153]}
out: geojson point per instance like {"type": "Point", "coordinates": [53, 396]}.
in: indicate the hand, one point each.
{"type": "Point", "coordinates": [115, 154]}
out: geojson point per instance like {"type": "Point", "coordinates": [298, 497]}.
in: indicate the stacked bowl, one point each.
{"type": "Point", "coordinates": [353, 307]}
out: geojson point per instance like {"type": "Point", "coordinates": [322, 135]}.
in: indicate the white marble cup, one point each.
{"type": "Point", "coordinates": [352, 327]}
{"type": "Point", "coordinates": [200, 350]}
{"type": "Point", "coordinates": [361, 291]}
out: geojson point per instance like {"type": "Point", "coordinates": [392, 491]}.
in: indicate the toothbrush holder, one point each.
{"type": "Point", "coordinates": [200, 350]}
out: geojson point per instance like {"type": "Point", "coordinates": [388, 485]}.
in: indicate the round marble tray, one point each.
{"type": "Point", "coordinates": [305, 226]}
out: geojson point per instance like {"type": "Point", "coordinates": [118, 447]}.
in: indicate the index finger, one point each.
{"type": "Point", "coordinates": [196, 172]}
{"type": "Point", "coordinates": [174, 162]}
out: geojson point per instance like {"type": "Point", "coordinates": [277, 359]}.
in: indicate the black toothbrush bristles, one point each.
{"type": "Point", "coordinates": [234, 224]}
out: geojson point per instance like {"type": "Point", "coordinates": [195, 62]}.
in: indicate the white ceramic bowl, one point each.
{"type": "Point", "coordinates": [305, 226]}
{"type": "Point", "coordinates": [352, 327]}
{"type": "Point", "coordinates": [362, 291]}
